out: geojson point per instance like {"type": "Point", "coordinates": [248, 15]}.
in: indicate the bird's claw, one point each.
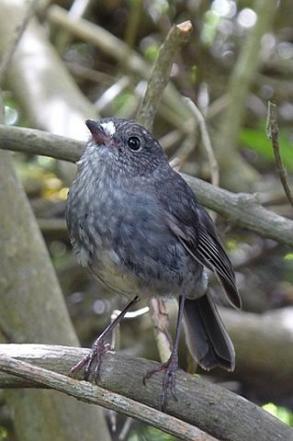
{"type": "Point", "coordinates": [169, 379]}
{"type": "Point", "coordinates": [92, 362]}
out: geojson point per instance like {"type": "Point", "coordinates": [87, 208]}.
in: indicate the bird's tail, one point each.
{"type": "Point", "coordinates": [207, 338]}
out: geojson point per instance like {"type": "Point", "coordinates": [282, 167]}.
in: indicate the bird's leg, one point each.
{"type": "Point", "coordinates": [99, 348]}
{"type": "Point", "coordinates": [160, 318]}
{"type": "Point", "coordinates": [171, 365]}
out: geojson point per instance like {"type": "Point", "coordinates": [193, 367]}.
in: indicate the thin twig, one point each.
{"type": "Point", "coordinates": [242, 209]}
{"type": "Point", "coordinates": [7, 57]}
{"type": "Point", "coordinates": [111, 93]}
{"type": "Point", "coordinates": [177, 36]}
{"type": "Point", "coordinates": [187, 146]}
{"type": "Point", "coordinates": [92, 394]}
{"type": "Point", "coordinates": [273, 135]}
{"type": "Point", "coordinates": [77, 10]}
{"type": "Point", "coordinates": [125, 429]}
{"type": "Point", "coordinates": [206, 142]}
{"type": "Point", "coordinates": [89, 74]}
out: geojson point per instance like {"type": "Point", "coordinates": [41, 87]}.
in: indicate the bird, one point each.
{"type": "Point", "coordinates": [137, 226]}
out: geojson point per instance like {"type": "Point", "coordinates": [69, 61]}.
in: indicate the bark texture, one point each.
{"type": "Point", "coordinates": [211, 408]}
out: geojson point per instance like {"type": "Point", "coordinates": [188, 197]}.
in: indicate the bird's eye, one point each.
{"type": "Point", "coordinates": [133, 143]}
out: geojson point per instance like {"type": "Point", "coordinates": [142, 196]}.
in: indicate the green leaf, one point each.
{"type": "Point", "coordinates": [151, 52]}
{"type": "Point", "coordinates": [288, 256]}
{"type": "Point", "coordinates": [257, 141]}
{"type": "Point", "coordinates": [210, 26]}
{"type": "Point", "coordinates": [3, 434]}
{"type": "Point", "coordinates": [279, 412]}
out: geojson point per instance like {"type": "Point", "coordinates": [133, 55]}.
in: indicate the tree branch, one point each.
{"type": "Point", "coordinates": [273, 135]}
{"type": "Point", "coordinates": [39, 142]}
{"type": "Point", "coordinates": [215, 410]}
{"type": "Point", "coordinates": [242, 209]}
{"type": "Point", "coordinates": [93, 394]}
{"type": "Point", "coordinates": [206, 142]}
{"type": "Point", "coordinates": [177, 36]}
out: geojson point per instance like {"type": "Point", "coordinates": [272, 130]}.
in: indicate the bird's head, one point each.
{"type": "Point", "coordinates": [124, 146]}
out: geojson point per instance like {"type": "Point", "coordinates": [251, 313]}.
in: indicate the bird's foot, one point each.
{"type": "Point", "coordinates": [169, 379]}
{"type": "Point", "coordinates": [91, 363]}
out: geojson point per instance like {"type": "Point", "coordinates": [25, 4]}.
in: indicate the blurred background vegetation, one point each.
{"type": "Point", "coordinates": [209, 72]}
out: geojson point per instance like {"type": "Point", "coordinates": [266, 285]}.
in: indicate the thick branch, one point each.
{"type": "Point", "coordinates": [215, 410]}
{"type": "Point", "coordinates": [93, 394]}
{"type": "Point", "coordinates": [177, 36]}
{"type": "Point", "coordinates": [241, 209]}
{"type": "Point", "coordinates": [38, 142]}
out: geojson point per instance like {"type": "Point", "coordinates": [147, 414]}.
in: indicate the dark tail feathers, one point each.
{"type": "Point", "coordinates": [207, 338]}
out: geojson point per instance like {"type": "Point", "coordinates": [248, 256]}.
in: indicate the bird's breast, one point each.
{"type": "Point", "coordinates": [120, 233]}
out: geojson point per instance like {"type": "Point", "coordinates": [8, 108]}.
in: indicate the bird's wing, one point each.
{"type": "Point", "coordinates": [195, 230]}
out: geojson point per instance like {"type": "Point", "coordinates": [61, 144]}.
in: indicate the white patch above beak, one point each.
{"type": "Point", "coordinates": [109, 128]}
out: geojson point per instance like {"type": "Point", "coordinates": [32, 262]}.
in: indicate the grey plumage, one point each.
{"type": "Point", "coordinates": [136, 224]}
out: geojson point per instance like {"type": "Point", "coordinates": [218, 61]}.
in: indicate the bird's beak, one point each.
{"type": "Point", "coordinates": [99, 135]}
